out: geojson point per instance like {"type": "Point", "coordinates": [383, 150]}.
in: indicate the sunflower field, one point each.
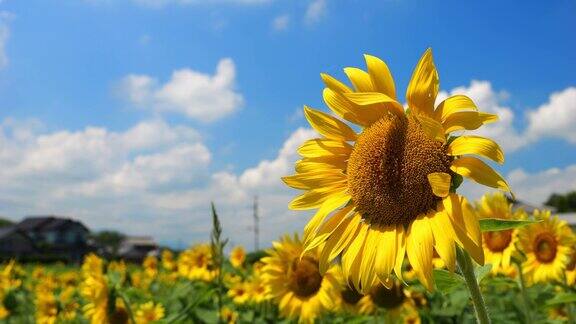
{"type": "Point", "coordinates": [392, 238]}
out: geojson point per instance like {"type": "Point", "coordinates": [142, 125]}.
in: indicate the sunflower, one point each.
{"type": "Point", "coordinates": [548, 247]}
{"type": "Point", "coordinates": [150, 265]}
{"type": "Point", "coordinates": [293, 279]}
{"type": "Point", "coordinates": [390, 189]}
{"type": "Point", "coordinates": [228, 316]}
{"type": "Point", "coordinates": [350, 300]}
{"type": "Point", "coordinates": [168, 260]}
{"type": "Point", "coordinates": [95, 290]}
{"type": "Point", "coordinates": [149, 312]}
{"type": "Point", "coordinates": [499, 245]}
{"type": "Point", "coordinates": [196, 263]}
{"type": "Point", "coordinates": [237, 256]}
{"type": "Point", "coordinates": [240, 293]}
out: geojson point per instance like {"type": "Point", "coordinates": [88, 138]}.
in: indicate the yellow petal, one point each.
{"type": "Point", "coordinates": [372, 98]}
{"type": "Point", "coordinates": [423, 87]}
{"type": "Point", "coordinates": [452, 105]}
{"type": "Point", "coordinates": [444, 239]}
{"type": "Point", "coordinates": [321, 147]}
{"type": "Point", "coordinates": [440, 183]}
{"type": "Point", "coordinates": [334, 84]}
{"type": "Point", "coordinates": [344, 108]}
{"type": "Point", "coordinates": [468, 120]}
{"type": "Point", "coordinates": [432, 128]}
{"type": "Point", "coordinates": [386, 252]}
{"type": "Point", "coordinates": [317, 179]}
{"type": "Point", "coordinates": [367, 268]}
{"type": "Point", "coordinates": [380, 75]}
{"type": "Point", "coordinates": [419, 247]}
{"type": "Point", "coordinates": [400, 250]}
{"type": "Point", "coordinates": [329, 126]}
{"type": "Point", "coordinates": [327, 207]}
{"type": "Point", "coordinates": [452, 206]}
{"type": "Point", "coordinates": [340, 240]}
{"type": "Point", "coordinates": [314, 198]}
{"type": "Point", "coordinates": [326, 229]}
{"type": "Point", "coordinates": [360, 79]}
{"type": "Point", "coordinates": [476, 145]}
{"type": "Point", "coordinates": [480, 172]}
{"type": "Point", "coordinates": [351, 256]}
{"type": "Point", "coordinates": [329, 162]}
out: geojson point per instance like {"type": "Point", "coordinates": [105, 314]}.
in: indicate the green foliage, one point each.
{"type": "Point", "coordinates": [5, 222]}
{"type": "Point", "coordinates": [494, 224]}
{"type": "Point", "coordinates": [109, 240]}
{"type": "Point", "coordinates": [564, 203]}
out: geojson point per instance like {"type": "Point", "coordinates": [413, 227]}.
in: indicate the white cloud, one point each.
{"type": "Point", "coordinates": [315, 11]}
{"type": "Point", "coordinates": [5, 18]}
{"type": "Point", "coordinates": [195, 94]}
{"type": "Point", "coordinates": [489, 100]}
{"type": "Point", "coordinates": [556, 118]}
{"type": "Point", "coordinates": [281, 23]}
{"type": "Point", "coordinates": [537, 187]}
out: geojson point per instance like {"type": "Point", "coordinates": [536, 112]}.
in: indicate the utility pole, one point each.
{"type": "Point", "coordinates": [256, 221]}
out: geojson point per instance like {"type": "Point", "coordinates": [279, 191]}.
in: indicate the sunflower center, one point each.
{"type": "Point", "coordinates": [545, 247]}
{"type": "Point", "coordinates": [388, 171]}
{"type": "Point", "coordinates": [304, 277]}
{"type": "Point", "coordinates": [350, 296]}
{"type": "Point", "coordinates": [387, 298]}
{"type": "Point", "coordinates": [498, 241]}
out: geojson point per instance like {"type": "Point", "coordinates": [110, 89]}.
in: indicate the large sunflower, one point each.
{"type": "Point", "coordinates": [548, 248]}
{"type": "Point", "coordinates": [388, 190]}
{"type": "Point", "coordinates": [294, 280]}
{"type": "Point", "coordinates": [499, 245]}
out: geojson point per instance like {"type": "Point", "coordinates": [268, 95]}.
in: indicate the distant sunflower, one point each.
{"type": "Point", "coordinates": [237, 256]}
{"type": "Point", "coordinates": [499, 245]}
{"type": "Point", "coordinates": [149, 313]}
{"type": "Point", "coordinates": [228, 316]}
{"type": "Point", "coordinates": [390, 190]}
{"type": "Point", "coordinates": [293, 279]}
{"type": "Point", "coordinates": [548, 248]}
{"type": "Point", "coordinates": [94, 289]}
{"type": "Point", "coordinates": [350, 300]}
{"type": "Point", "coordinates": [240, 293]}
{"type": "Point", "coordinates": [395, 300]}
{"type": "Point", "coordinates": [196, 263]}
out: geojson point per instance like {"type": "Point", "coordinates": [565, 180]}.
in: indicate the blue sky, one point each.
{"type": "Point", "coordinates": [97, 95]}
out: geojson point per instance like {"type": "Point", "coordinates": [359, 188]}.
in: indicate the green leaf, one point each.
{"type": "Point", "coordinates": [446, 281]}
{"type": "Point", "coordinates": [482, 272]}
{"type": "Point", "coordinates": [494, 224]}
{"type": "Point", "coordinates": [563, 298]}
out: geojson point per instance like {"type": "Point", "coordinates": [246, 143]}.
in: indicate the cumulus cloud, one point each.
{"type": "Point", "coordinates": [281, 23]}
{"type": "Point", "coordinates": [556, 118]}
{"type": "Point", "coordinates": [538, 186]}
{"type": "Point", "coordinates": [315, 11]}
{"type": "Point", "coordinates": [195, 94]}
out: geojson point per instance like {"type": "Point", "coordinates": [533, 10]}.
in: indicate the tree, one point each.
{"type": "Point", "coordinates": [5, 222]}
{"type": "Point", "coordinates": [109, 240]}
{"type": "Point", "coordinates": [564, 203]}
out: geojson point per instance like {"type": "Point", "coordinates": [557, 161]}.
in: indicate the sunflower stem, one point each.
{"type": "Point", "coordinates": [527, 303]}
{"type": "Point", "coordinates": [467, 268]}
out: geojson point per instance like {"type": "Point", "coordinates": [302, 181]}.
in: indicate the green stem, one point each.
{"type": "Point", "coordinates": [527, 304]}
{"type": "Point", "coordinates": [467, 268]}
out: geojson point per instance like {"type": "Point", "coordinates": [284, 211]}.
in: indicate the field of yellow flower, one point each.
{"type": "Point", "coordinates": [529, 277]}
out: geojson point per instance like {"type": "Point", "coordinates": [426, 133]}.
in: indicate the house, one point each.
{"type": "Point", "coordinates": [56, 238]}
{"type": "Point", "coordinates": [136, 248]}
{"type": "Point", "coordinates": [14, 243]}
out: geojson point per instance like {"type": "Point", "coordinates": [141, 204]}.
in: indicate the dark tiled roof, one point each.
{"type": "Point", "coordinates": [44, 223]}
